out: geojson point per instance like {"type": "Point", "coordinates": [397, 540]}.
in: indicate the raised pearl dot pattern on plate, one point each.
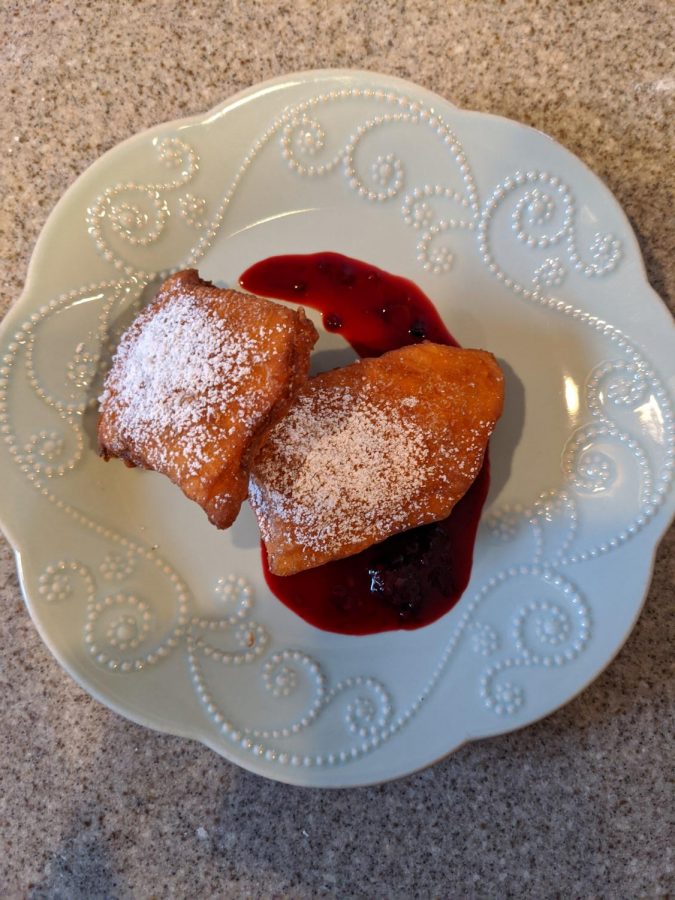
{"type": "Point", "coordinates": [348, 137]}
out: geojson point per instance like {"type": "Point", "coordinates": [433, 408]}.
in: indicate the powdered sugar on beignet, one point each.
{"type": "Point", "coordinates": [372, 449]}
{"type": "Point", "coordinates": [196, 383]}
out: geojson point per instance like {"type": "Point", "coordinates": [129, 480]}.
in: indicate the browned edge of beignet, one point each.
{"type": "Point", "coordinates": [372, 449]}
{"type": "Point", "coordinates": [221, 491]}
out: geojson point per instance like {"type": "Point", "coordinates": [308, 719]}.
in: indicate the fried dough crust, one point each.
{"type": "Point", "coordinates": [197, 382]}
{"type": "Point", "coordinates": [373, 449]}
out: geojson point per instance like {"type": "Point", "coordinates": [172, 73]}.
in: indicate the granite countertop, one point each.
{"type": "Point", "coordinates": [579, 804]}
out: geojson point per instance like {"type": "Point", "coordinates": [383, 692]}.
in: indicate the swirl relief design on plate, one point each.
{"type": "Point", "coordinates": [629, 429]}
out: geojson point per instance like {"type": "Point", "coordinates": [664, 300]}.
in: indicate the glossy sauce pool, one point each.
{"type": "Point", "coordinates": [413, 578]}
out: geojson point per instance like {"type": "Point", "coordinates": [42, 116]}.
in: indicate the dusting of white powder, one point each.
{"type": "Point", "coordinates": [171, 381]}
{"type": "Point", "coordinates": [308, 484]}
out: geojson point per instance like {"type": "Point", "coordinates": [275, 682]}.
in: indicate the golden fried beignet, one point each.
{"type": "Point", "coordinates": [372, 449]}
{"type": "Point", "coordinates": [196, 383]}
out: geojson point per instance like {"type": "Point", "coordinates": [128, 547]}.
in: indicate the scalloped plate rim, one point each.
{"type": "Point", "coordinates": [21, 552]}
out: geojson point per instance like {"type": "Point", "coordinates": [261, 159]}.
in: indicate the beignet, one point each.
{"type": "Point", "coordinates": [372, 449]}
{"type": "Point", "coordinates": [197, 382]}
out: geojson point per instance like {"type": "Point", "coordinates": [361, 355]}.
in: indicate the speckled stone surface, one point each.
{"type": "Point", "coordinates": [578, 805]}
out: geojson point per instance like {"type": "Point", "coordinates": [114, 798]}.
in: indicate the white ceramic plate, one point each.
{"type": "Point", "coordinates": [524, 252]}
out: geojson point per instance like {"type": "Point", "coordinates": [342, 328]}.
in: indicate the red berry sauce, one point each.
{"type": "Point", "coordinates": [415, 577]}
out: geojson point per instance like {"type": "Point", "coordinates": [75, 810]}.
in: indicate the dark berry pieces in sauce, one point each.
{"type": "Point", "coordinates": [415, 577]}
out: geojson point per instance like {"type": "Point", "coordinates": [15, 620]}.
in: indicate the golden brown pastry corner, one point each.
{"type": "Point", "coordinates": [196, 383]}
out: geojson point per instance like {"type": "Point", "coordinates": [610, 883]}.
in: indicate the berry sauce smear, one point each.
{"type": "Point", "coordinates": [415, 577]}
